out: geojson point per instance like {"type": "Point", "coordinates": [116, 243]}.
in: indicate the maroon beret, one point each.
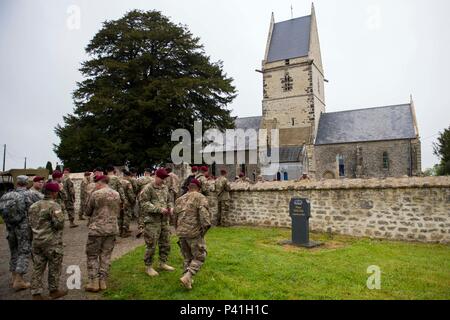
{"type": "Point", "coordinates": [51, 186]}
{"type": "Point", "coordinates": [100, 178]}
{"type": "Point", "coordinates": [194, 169]}
{"type": "Point", "coordinates": [223, 171]}
{"type": "Point", "coordinates": [241, 175]}
{"type": "Point", "coordinates": [56, 174]}
{"type": "Point", "coordinates": [204, 168]}
{"type": "Point", "coordinates": [161, 173]}
{"type": "Point", "coordinates": [38, 178]}
{"type": "Point", "coordinates": [195, 182]}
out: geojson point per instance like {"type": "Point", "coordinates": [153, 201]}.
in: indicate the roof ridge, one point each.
{"type": "Point", "coordinates": [371, 108]}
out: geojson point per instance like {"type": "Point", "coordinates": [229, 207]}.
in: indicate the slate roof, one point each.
{"type": "Point", "coordinates": [290, 39]}
{"type": "Point", "coordinates": [289, 154]}
{"type": "Point", "coordinates": [374, 124]}
{"type": "Point", "coordinates": [248, 123]}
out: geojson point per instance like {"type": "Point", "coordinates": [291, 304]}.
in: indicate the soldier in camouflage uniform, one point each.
{"type": "Point", "coordinates": [69, 196]}
{"type": "Point", "coordinates": [36, 189]}
{"type": "Point", "coordinates": [116, 184]}
{"type": "Point", "coordinates": [102, 209]}
{"type": "Point", "coordinates": [14, 207]}
{"type": "Point", "coordinates": [84, 194]}
{"type": "Point", "coordinates": [47, 224]}
{"type": "Point", "coordinates": [203, 180]}
{"type": "Point", "coordinates": [155, 207]}
{"type": "Point", "coordinates": [192, 222]}
{"type": "Point", "coordinates": [141, 184]}
{"type": "Point", "coordinates": [127, 212]}
{"type": "Point", "coordinates": [223, 197]}
{"type": "Point", "coordinates": [61, 199]}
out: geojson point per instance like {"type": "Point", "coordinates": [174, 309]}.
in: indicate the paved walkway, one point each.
{"type": "Point", "coordinates": [74, 254]}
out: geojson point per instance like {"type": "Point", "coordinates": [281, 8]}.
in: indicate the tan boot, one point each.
{"type": "Point", "coordinates": [92, 286]}
{"type": "Point", "coordinates": [166, 267]}
{"type": "Point", "coordinates": [55, 294]}
{"type": "Point", "coordinates": [72, 225]}
{"type": "Point", "coordinates": [13, 278]}
{"type": "Point", "coordinates": [20, 284]}
{"type": "Point", "coordinates": [152, 272]}
{"type": "Point", "coordinates": [103, 284]}
{"type": "Point", "coordinates": [39, 297]}
{"type": "Point", "coordinates": [186, 280]}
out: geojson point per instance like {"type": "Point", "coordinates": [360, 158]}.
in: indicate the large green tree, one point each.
{"type": "Point", "coordinates": [145, 77]}
{"type": "Point", "coordinates": [442, 150]}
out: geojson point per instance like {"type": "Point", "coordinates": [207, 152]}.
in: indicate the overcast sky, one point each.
{"type": "Point", "coordinates": [375, 53]}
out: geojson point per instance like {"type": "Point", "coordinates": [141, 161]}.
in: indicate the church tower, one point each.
{"type": "Point", "coordinates": [293, 82]}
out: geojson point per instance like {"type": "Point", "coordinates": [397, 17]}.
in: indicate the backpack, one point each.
{"type": "Point", "coordinates": [12, 207]}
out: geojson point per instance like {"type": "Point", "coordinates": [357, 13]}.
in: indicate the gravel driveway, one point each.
{"type": "Point", "coordinates": [74, 254]}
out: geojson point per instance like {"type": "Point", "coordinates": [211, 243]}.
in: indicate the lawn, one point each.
{"type": "Point", "coordinates": [248, 263]}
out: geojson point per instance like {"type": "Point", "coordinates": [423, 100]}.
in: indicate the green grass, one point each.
{"type": "Point", "coordinates": [1, 220]}
{"type": "Point", "coordinates": [247, 263]}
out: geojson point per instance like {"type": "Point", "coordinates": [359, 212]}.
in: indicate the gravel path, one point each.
{"type": "Point", "coordinates": [74, 254]}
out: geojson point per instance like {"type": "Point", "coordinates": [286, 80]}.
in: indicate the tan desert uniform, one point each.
{"type": "Point", "coordinates": [192, 222]}
{"type": "Point", "coordinates": [102, 209]}
{"type": "Point", "coordinates": [223, 199]}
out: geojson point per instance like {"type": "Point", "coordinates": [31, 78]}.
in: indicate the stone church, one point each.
{"type": "Point", "coordinates": [373, 142]}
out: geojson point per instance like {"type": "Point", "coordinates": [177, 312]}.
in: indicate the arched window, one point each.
{"type": "Point", "coordinates": [278, 176]}
{"type": "Point", "coordinates": [385, 160]}
{"type": "Point", "coordinates": [341, 165]}
{"type": "Point", "coordinates": [285, 176]}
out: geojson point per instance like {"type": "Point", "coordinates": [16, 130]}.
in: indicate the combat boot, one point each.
{"type": "Point", "coordinates": [72, 225]}
{"type": "Point", "coordinates": [166, 267]}
{"type": "Point", "coordinates": [152, 272]}
{"type": "Point", "coordinates": [92, 286]}
{"type": "Point", "coordinates": [55, 294]}
{"type": "Point", "coordinates": [186, 280]}
{"type": "Point", "coordinates": [103, 284]}
{"type": "Point", "coordinates": [20, 284]}
{"type": "Point", "coordinates": [39, 297]}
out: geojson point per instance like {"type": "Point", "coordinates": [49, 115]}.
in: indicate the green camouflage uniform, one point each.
{"type": "Point", "coordinates": [83, 195]}
{"type": "Point", "coordinates": [152, 200]}
{"type": "Point", "coordinates": [116, 184]}
{"type": "Point", "coordinates": [141, 184]}
{"type": "Point", "coordinates": [192, 222]}
{"type": "Point", "coordinates": [47, 224]}
{"type": "Point", "coordinates": [69, 197]}
{"type": "Point", "coordinates": [223, 199]}
{"type": "Point", "coordinates": [204, 184]}
{"type": "Point", "coordinates": [103, 208]}
{"type": "Point", "coordinates": [127, 212]}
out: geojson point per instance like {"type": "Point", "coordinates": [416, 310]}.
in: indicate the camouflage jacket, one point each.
{"type": "Point", "coordinates": [204, 183]}
{"type": "Point", "coordinates": [116, 184]}
{"type": "Point", "coordinates": [134, 183]}
{"type": "Point", "coordinates": [152, 200]}
{"type": "Point", "coordinates": [69, 189]}
{"type": "Point", "coordinates": [47, 223]}
{"type": "Point", "coordinates": [103, 209]}
{"type": "Point", "coordinates": [36, 195]}
{"type": "Point", "coordinates": [20, 197]}
{"type": "Point", "coordinates": [222, 188]}
{"type": "Point", "coordinates": [173, 183]}
{"type": "Point", "coordinates": [128, 190]}
{"type": "Point", "coordinates": [143, 182]}
{"type": "Point", "coordinates": [192, 217]}
{"type": "Point", "coordinates": [84, 190]}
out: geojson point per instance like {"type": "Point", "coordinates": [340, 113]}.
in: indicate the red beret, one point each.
{"type": "Point", "coordinates": [204, 168]}
{"type": "Point", "coordinates": [38, 178]}
{"type": "Point", "coordinates": [56, 174]}
{"type": "Point", "coordinates": [196, 182]}
{"type": "Point", "coordinates": [241, 175]}
{"type": "Point", "coordinates": [161, 173]}
{"type": "Point", "coordinates": [194, 169]}
{"type": "Point", "coordinates": [51, 186]}
{"type": "Point", "coordinates": [87, 174]}
{"type": "Point", "coordinates": [100, 178]}
{"type": "Point", "coordinates": [223, 171]}
{"type": "Point", "coordinates": [66, 170]}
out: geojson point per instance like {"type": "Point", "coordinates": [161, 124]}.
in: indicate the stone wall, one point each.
{"type": "Point", "coordinates": [412, 209]}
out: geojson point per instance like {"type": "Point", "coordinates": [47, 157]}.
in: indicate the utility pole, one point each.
{"type": "Point", "coordinates": [25, 165]}
{"type": "Point", "coordinates": [4, 156]}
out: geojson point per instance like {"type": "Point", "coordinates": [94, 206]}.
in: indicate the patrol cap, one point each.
{"type": "Point", "coordinates": [161, 173]}
{"type": "Point", "coordinates": [51, 187]}
{"type": "Point", "coordinates": [194, 169]}
{"type": "Point", "coordinates": [22, 179]}
{"type": "Point", "coordinates": [38, 178]}
{"type": "Point", "coordinates": [195, 182]}
{"type": "Point", "coordinates": [101, 178]}
{"type": "Point", "coordinates": [204, 168]}
{"type": "Point", "coordinates": [56, 174]}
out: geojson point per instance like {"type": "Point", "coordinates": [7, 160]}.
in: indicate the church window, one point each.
{"type": "Point", "coordinates": [285, 176]}
{"type": "Point", "coordinates": [293, 121]}
{"type": "Point", "coordinates": [286, 82]}
{"type": "Point", "coordinates": [341, 165]}
{"type": "Point", "coordinates": [385, 160]}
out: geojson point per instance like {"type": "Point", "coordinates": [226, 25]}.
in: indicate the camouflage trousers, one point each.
{"type": "Point", "coordinates": [223, 206]}
{"type": "Point", "coordinates": [99, 250]}
{"type": "Point", "coordinates": [194, 253]}
{"type": "Point", "coordinates": [157, 233]}
{"type": "Point", "coordinates": [19, 241]}
{"type": "Point", "coordinates": [70, 209]}
{"type": "Point", "coordinates": [124, 219]}
{"type": "Point", "coordinates": [51, 256]}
